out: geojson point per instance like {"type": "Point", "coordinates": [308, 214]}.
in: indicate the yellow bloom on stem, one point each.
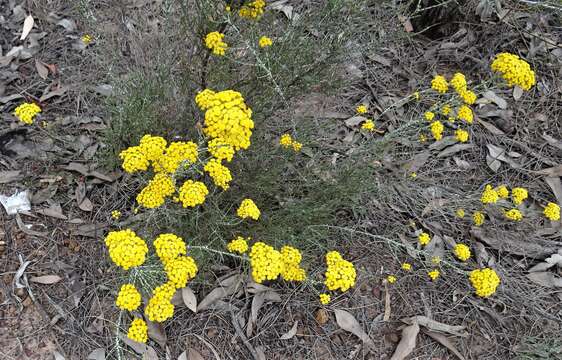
{"type": "Point", "coordinates": [325, 299]}
{"type": "Point", "coordinates": [489, 195]}
{"type": "Point", "coordinates": [340, 274]}
{"type": "Point", "coordinates": [160, 307]}
{"type": "Point", "coordinates": [478, 217]}
{"type": "Point", "coordinates": [468, 96]}
{"type": "Point", "coordinates": [460, 213]}
{"type": "Point", "coordinates": [220, 150]}
{"type": "Point", "coordinates": [238, 245]}
{"type": "Point", "coordinates": [458, 82]}
{"type": "Point", "coordinates": [154, 194]}
{"type": "Point", "coordinates": [437, 130]}
{"type": "Point", "coordinates": [552, 211]}
{"type": "Point", "coordinates": [87, 39]}
{"type": "Point", "coordinates": [248, 209]}
{"type": "Point", "coordinates": [176, 154]}
{"type": "Point", "coordinates": [439, 84]}
{"type": "Point", "coordinates": [169, 247]}
{"type": "Point", "coordinates": [519, 195]}
{"type": "Point", "coordinates": [286, 141]}
{"type": "Point", "coordinates": [180, 270]}
{"type": "Point", "coordinates": [205, 99]}
{"type": "Point", "coordinates": [152, 146]}
{"type": "Point", "coordinates": [429, 115]}
{"type": "Point", "coordinates": [26, 112]}
{"type": "Point", "coordinates": [361, 109]}
{"type": "Point", "coordinates": [265, 261]}
{"type": "Point", "coordinates": [368, 125]}
{"type": "Point", "coordinates": [192, 193]}
{"type": "Point", "coordinates": [423, 138]}
{"type": "Point", "coordinates": [133, 160]}
{"type": "Point", "coordinates": [128, 298]}
{"type": "Point", "coordinates": [291, 258]}
{"type": "Point", "coordinates": [462, 252]}
{"type": "Point", "coordinates": [252, 10]}
{"type": "Point", "coordinates": [424, 238]}
{"type": "Point", "coordinates": [484, 281]}
{"type": "Point", "coordinates": [219, 173]}
{"type": "Point", "coordinates": [514, 70]}
{"type": "Point", "coordinates": [214, 42]}
{"type": "Point", "coordinates": [265, 41]}
{"type": "Point", "coordinates": [465, 113]}
{"type": "Point", "coordinates": [435, 260]}
{"type": "Point", "coordinates": [446, 110]}
{"type": "Point", "coordinates": [514, 214]}
{"type": "Point", "coordinates": [503, 191]}
{"type": "Point", "coordinates": [461, 135]}
{"type": "Point", "coordinates": [433, 274]}
{"type": "Point", "coordinates": [407, 266]}
{"type": "Point", "coordinates": [297, 146]}
{"type": "Point", "coordinates": [391, 279]}
{"type": "Point", "coordinates": [126, 249]}
{"type": "Point", "coordinates": [138, 331]}
{"type": "Point", "coordinates": [116, 214]}
{"type": "Point", "coordinates": [416, 95]}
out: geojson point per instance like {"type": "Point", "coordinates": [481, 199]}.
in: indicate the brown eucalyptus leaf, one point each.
{"type": "Point", "coordinates": [434, 204]}
{"type": "Point", "coordinates": [58, 92]}
{"type": "Point", "coordinates": [387, 309]}
{"type": "Point", "coordinates": [551, 261]}
{"type": "Point", "coordinates": [407, 343]}
{"type": "Point", "coordinates": [157, 333]}
{"type": "Point", "coordinates": [150, 354]}
{"type": "Point", "coordinates": [545, 278]}
{"type": "Point", "coordinates": [517, 93]}
{"type": "Point", "coordinates": [291, 333]}
{"type": "Point", "coordinates": [552, 141]}
{"type": "Point", "coordinates": [490, 127]}
{"type": "Point", "coordinates": [493, 97]}
{"type": "Point", "coordinates": [9, 176]}
{"type": "Point", "coordinates": [512, 242]}
{"type": "Point", "coordinates": [193, 354]}
{"type": "Point", "coordinates": [189, 299]}
{"type": "Point", "coordinates": [347, 322]}
{"type": "Point", "coordinates": [552, 171]}
{"type": "Point", "coordinates": [451, 150]}
{"type": "Point", "coordinates": [443, 143]}
{"type": "Point", "coordinates": [42, 70]}
{"type": "Point", "coordinates": [443, 340]}
{"type": "Point", "coordinates": [215, 295]}
{"type": "Point", "coordinates": [46, 279]}
{"type": "Point", "coordinates": [257, 303]}
{"type": "Point", "coordinates": [433, 325]}
{"type": "Point", "coordinates": [138, 347]}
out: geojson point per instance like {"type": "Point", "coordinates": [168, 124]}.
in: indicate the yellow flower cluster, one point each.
{"type": "Point", "coordinates": [265, 261]}
{"type": "Point", "coordinates": [519, 195]}
{"type": "Point", "coordinates": [133, 160]}
{"type": "Point", "coordinates": [292, 270]}
{"type": "Point", "coordinates": [437, 130]}
{"type": "Point", "coordinates": [116, 214]}
{"type": "Point", "coordinates": [429, 115]}
{"type": "Point", "coordinates": [514, 70]}
{"type": "Point", "coordinates": [248, 209]}
{"type": "Point", "coordinates": [489, 195]}
{"type": "Point", "coordinates": [265, 41]}
{"type": "Point", "coordinates": [552, 211]}
{"type": "Point", "coordinates": [160, 307]}
{"type": "Point", "coordinates": [175, 154]}
{"type": "Point", "coordinates": [406, 266]}
{"type": "Point", "coordinates": [238, 245]}
{"type": "Point", "coordinates": [325, 299]}
{"type": "Point", "coordinates": [391, 279]}
{"type": "Point", "coordinates": [128, 298]}
{"type": "Point", "coordinates": [465, 113]}
{"type": "Point", "coordinates": [169, 247]}
{"type": "Point", "coordinates": [361, 109]}
{"type": "Point", "coordinates": [461, 135]}
{"type": "Point", "coordinates": [220, 150]}
{"type": "Point", "coordinates": [434, 274]}
{"type": "Point", "coordinates": [154, 194]}
{"type": "Point", "coordinates": [192, 193]}
{"type": "Point", "coordinates": [126, 249]}
{"type": "Point", "coordinates": [180, 270]}
{"type": "Point", "coordinates": [214, 42]}
{"type": "Point", "coordinates": [485, 281]}
{"type": "Point", "coordinates": [503, 191]}
{"type": "Point", "coordinates": [26, 112]}
{"type": "Point", "coordinates": [460, 213]}
{"type": "Point", "coordinates": [439, 84]}
{"type": "Point", "coordinates": [138, 331]}
{"type": "Point", "coordinates": [368, 125]}
{"type": "Point", "coordinates": [462, 252]}
{"type": "Point", "coordinates": [287, 141]}
{"type": "Point", "coordinates": [446, 110]}
{"type": "Point", "coordinates": [152, 147]}
{"type": "Point", "coordinates": [424, 238]}
{"type": "Point", "coordinates": [340, 273]}
{"type": "Point", "coordinates": [468, 96]}
{"type": "Point", "coordinates": [87, 39]}
{"type": "Point", "coordinates": [226, 117]}
{"type": "Point", "coordinates": [478, 217]}
{"type": "Point", "coordinates": [458, 82]}
{"type": "Point", "coordinates": [514, 214]}
{"type": "Point", "coordinates": [253, 9]}
{"type": "Point", "coordinates": [219, 173]}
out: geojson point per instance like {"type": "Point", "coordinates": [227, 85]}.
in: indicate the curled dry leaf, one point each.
{"type": "Point", "coordinates": [431, 324]}
{"type": "Point", "coordinates": [407, 343]}
{"type": "Point", "coordinates": [97, 354]}
{"type": "Point", "coordinates": [46, 279]}
{"type": "Point", "coordinates": [355, 121]}
{"type": "Point", "coordinates": [189, 299]}
{"type": "Point", "coordinates": [490, 127]}
{"type": "Point", "coordinates": [493, 97]}
{"type": "Point", "coordinates": [556, 186]}
{"type": "Point", "coordinates": [545, 278]}
{"type": "Point", "coordinates": [291, 333]}
{"type": "Point", "coordinates": [42, 70]}
{"type": "Point", "coordinates": [220, 292]}
{"type": "Point", "coordinates": [513, 242]}
{"type": "Point", "coordinates": [257, 303]}
{"type": "Point", "coordinates": [347, 322]}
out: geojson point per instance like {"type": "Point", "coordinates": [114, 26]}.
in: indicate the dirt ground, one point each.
{"type": "Point", "coordinates": [57, 291]}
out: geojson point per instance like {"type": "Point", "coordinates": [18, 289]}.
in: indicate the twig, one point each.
{"type": "Point", "coordinates": [242, 336]}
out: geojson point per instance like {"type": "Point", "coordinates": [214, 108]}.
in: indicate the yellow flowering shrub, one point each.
{"type": "Point", "coordinates": [297, 146]}
{"type": "Point", "coordinates": [514, 215]}
{"type": "Point", "coordinates": [248, 209]}
{"type": "Point", "coordinates": [220, 150]}
{"type": "Point", "coordinates": [445, 110]}
{"type": "Point", "coordinates": [489, 195]}
{"type": "Point", "coordinates": [138, 331]}
{"type": "Point", "coordinates": [214, 42]}
{"type": "Point", "coordinates": [126, 249]}
{"type": "Point", "coordinates": [514, 70]}
{"type": "Point", "coordinates": [429, 115]}
{"type": "Point", "coordinates": [134, 160]}
{"type": "Point", "coordinates": [180, 270]}
{"type": "Point", "coordinates": [391, 279]}
{"type": "Point", "coordinates": [462, 252]}
{"type": "Point", "coordinates": [518, 195]}
{"type": "Point", "coordinates": [192, 193]}
{"type": "Point", "coordinates": [406, 266]}
{"type": "Point", "coordinates": [26, 112]}
{"type": "Point", "coordinates": [460, 213]}
{"type": "Point", "coordinates": [458, 82]}
{"type": "Point", "coordinates": [219, 173]}
{"type": "Point", "coordinates": [368, 125]}
{"type": "Point", "coordinates": [116, 214]}
{"type": "Point", "coordinates": [176, 153]}
{"type": "Point", "coordinates": [265, 42]}
{"type": "Point", "coordinates": [434, 274]}
{"type": "Point", "coordinates": [465, 113]}
{"type": "Point", "coordinates": [286, 141]}
{"type": "Point", "coordinates": [552, 211]}
{"type": "Point", "coordinates": [87, 39]}
{"type": "Point", "coordinates": [439, 84]}
{"type": "Point", "coordinates": [484, 281]}
{"type": "Point", "coordinates": [340, 274]}
{"type": "Point", "coordinates": [152, 146]}
{"type": "Point", "coordinates": [128, 298]}
{"type": "Point", "coordinates": [265, 261]}
{"type": "Point", "coordinates": [238, 245]}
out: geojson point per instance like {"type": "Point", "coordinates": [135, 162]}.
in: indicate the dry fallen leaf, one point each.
{"type": "Point", "coordinates": [551, 261]}
{"type": "Point", "coordinates": [407, 342]}
{"type": "Point", "coordinates": [406, 23]}
{"type": "Point", "coordinates": [493, 97]}
{"type": "Point", "coordinates": [556, 186]}
{"type": "Point", "coordinates": [443, 340]}
{"type": "Point", "coordinates": [490, 127]}
{"type": "Point", "coordinates": [9, 176]}
{"type": "Point", "coordinates": [27, 26]}
{"type": "Point", "coordinates": [97, 354]}
{"type": "Point", "coordinates": [157, 333]}
{"type": "Point", "coordinates": [545, 278]}
{"type": "Point", "coordinates": [355, 120]}
{"type": "Point", "coordinates": [189, 299]}
{"type": "Point", "coordinates": [321, 316]}
{"type": "Point", "coordinates": [517, 93]}
{"type": "Point", "coordinates": [291, 333]}
{"type": "Point", "coordinates": [138, 347]}
{"type": "Point", "coordinates": [46, 279]}
{"type": "Point", "coordinates": [257, 303]}
{"type": "Point", "coordinates": [347, 322]}
{"type": "Point", "coordinates": [42, 70]}
{"type": "Point", "coordinates": [513, 242]}
{"type": "Point", "coordinates": [451, 150]}
{"type": "Point", "coordinates": [431, 324]}
{"type": "Point", "coordinates": [150, 354]}
{"type": "Point", "coordinates": [220, 292]}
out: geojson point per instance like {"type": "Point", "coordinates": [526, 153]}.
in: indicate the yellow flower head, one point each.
{"type": "Point", "coordinates": [469, 97]}
{"type": "Point", "coordinates": [433, 274]}
{"type": "Point", "coordinates": [519, 195]}
{"type": "Point", "coordinates": [462, 252]}
{"type": "Point", "coordinates": [87, 39]}
{"type": "Point", "coordinates": [484, 281]}
{"type": "Point", "coordinates": [238, 245]}
{"type": "Point", "coordinates": [407, 266]}
{"type": "Point", "coordinates": [361, 109]}
{"type": "Point", "coordinates": [297, 146]}
{"type": "Point", "coordinates": [152, 147]}
{"type": "Point", "coordinates": [514, 70]}
{"type": "Point", "coordinates": [248, 209]}
{"type": "Point", "coordinates": [437, 130]}
{"type": "Point", "coordinates": [26, 112]}
{"type": "Point", "coordinates": [116, 214]}
{"type": "Point", "coordinates": [368, 125]}
{"type": "Point", "coordinates": [458, 82]}
{"type": "Point", "coordinates": [160, 307]}
{"type": "Point", "coordinates": [416, 95]}
{"type": "Point", "coordinates": [424, 238]}
{"type": "Point", "coordinates": [435, 260]}
{"type": "Point", "coordinates": [446, 110]}
{"type": "Point", "coordinates": [502, 191]}
{"type": "Point", "coordinates": [265, 41]}
{"type": "Point", "coordinates": [219, 173]}
{"type": "Point", "coordinates": [478, 217]}
{"type": "Point", "coordinates": [126, 249]}
{"type": "Point", "coordinates": [192, 193]}
{"type": "Point", "coordinates": [391, 279]}
{"type": "Point", "coordinates": [439, 84]}
{"type": "Point", "coordinates": [489, 195]}
{"type": "Point", "coordinates": [266, 262]}
{"type": "Point", "coordinates": [340, 274]}
{"type": "Point", "coordinates": [465, 113]}
{"type": "Point", "coordinates": [176, 153]}
{"type": "Point", "coordinates": [461, 135]}
{"type": "Point", "coordinates": [180, 270]}
{"type": "Point", "coordinates": [128, 298]}
{"type": "Point", "coordinates": [460, 213]}
{"type": "Point", "coordinates": [205, 99]}
{"type": "Point", "coordinates": [133, 160]}
{"type": "Point", "coordinates": [292, 270]}
{"type": "Point", "coordinates": [138, 331]}
{"type": "Point", "coordinates": [325, 299]}
{"type": "Point", "coordinates": [214, 42]}
{"type": "Point", "coordinates": [169, 247]}
{"type": "Point", "coordinates": [286, 141]}
{"type": "Point", "coordinates": [253, 9]}
{"type": "Point", "coordinates": [514, 215]}
{"type": "Point", "coordinates": [220, 150]}
{"type": "Point", "coordinates": [154, 194]}
{"type": "Point", "coordinates": [423, 138]}
{"type": "Point", "coordinates": [428, 115]}
{"type": "Point", "coordinates": [552, 211]}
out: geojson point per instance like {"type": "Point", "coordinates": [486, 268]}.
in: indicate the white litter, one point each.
{"type": "Point", "coordinates": [16, 203]}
